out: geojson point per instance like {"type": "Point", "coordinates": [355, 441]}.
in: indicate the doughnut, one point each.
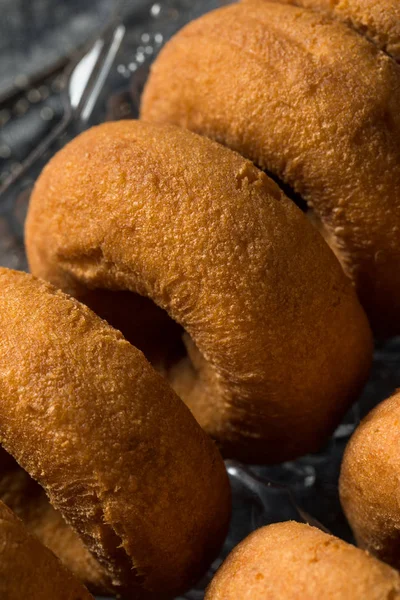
{"type": "Point", "coordinates": [277, 345]}
{"type": "Point", "coordinates": [294, 561]}
{"type": "Point", "coordinates": [314, 103]}
{"type": "Point", "coordinates": [378, 20]}
{"type": "Point", "coordinates": [369, 482]}
{"type": "Point", "coordinates": [29, 502]}
{"type": "Point", "coordinates": [28, 569]}
{"type": "Point", "coordinates": [117, 452]}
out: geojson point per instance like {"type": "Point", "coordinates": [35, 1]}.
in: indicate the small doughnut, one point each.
{"type": "Point", "coordinates": [378, 20]}
{"type": "Point", "coordinates": [117, 452]}
{"type": "Point", "coordinates": [293, 561]}
{"type": "Point", "coordinates": [28, 569]}
{"type": "Point", "coordinates": [29, 502]}
{"type": "Point", "coordinates": [277, 344]}
{"type": "Point", "coordinates": [314, 103]}
{"type": "Point", "coordinates": [370, 482]}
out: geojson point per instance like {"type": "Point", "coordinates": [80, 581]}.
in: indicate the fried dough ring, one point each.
{"type": "Point", "coordinates": [117, 452]}
{"type": "Point", "coordinates": [314, 103]}
{"type": "Point", "coordinates": [293, 561]}
{"type": "Point", "coordinates": [30, 570]}
{"type": "Point", "coordinates": [278, 345]}
{"type": "Point", "coordinates": [369, 482]}
{"type": "Point", "coordinates": [29, 502]}
{"type": "Point", "coordinates": [378, 20]}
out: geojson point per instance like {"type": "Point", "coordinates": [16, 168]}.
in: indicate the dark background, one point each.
{"type": "Point", "coordinates": [35, 34]}
{"type": "Point", "coordinates": [37, 38]}
{"type": "Point", "coordinates": [41, 42]}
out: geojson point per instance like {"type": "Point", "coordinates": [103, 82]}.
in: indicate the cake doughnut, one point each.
{"type": "Point", "coordinates": [28, 569]}
{"type": "Point", "coordinates": [314, 103]}
{"type": "Point", "coordinates": [293, 561]}
{"type": "Point", "coordinates": [370, 482]}
{"type": "Point", "coordinates": [277, 344]}
{"type": "Point", "coordinates": [117, 452]}
{"type": "Point", "coordinates": [378, 20]}
{"type": "Point", "coordinates": [29, 502]}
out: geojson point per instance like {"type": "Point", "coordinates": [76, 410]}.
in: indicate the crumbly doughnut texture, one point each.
{"type": "Point", "coordinates": [278, 346]}
{"type": "Point", "coordinates": [314, 103]}
{"type": "Point", "coordinates": [293, 561]}
{"type": "Point", "coordinates": [29, 502]}
{"type": "Point", "coordinates": [370, 482]}
{"type": "Point", "coordinates": [378, 20]}
{"type": "Point", "coordinates": [117, 452]}
{"type": "Point", "coordinates": [28, 569]}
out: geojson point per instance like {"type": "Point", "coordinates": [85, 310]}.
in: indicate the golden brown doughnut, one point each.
{"type": "Point", "coordinates": [28, 569]}
{"type": "Point", "coordinates": [29, 502]}
{"type": "Point", "coordinates": [378, 20]}
{"type": "Point", "coordinates": [117, 452]}
{"type": "Point", "coordinates": [277, 343]}
{"type": "Point", "coordinates": [317, 105]}
{"type": "Point", "coordinates": [293, 561]}
{"type": "Point", "coordinates": [370, 482]}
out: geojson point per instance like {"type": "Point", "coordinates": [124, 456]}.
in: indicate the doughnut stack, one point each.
{"type": "Point", "coordinates": [315, 103]}
{"type": "Point", "coordinates": [182, 309]}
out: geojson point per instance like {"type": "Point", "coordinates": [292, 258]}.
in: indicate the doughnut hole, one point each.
{"type": "Point", "coordinates": [28, 500]}
{"type": "Point", "coordinates": [144, 324]}
{"type": "Point", "coordinates": [163, 341]}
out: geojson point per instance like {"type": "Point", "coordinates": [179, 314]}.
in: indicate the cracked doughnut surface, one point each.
{"type": "Point", "coordinates": [293, 561]}
{"type": "Point", "coordinates": [370, 482]}
{"type": "Point", "coordinates": [314, 103]}
{"type": "Point", "coordinates": [277, 344]}
{"type": "Point", "coordinates": [117, 452]}
{"type": "Point", "coordinates": [378, 20]}
{"type": "Point", "coordinates": [28, 569]}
